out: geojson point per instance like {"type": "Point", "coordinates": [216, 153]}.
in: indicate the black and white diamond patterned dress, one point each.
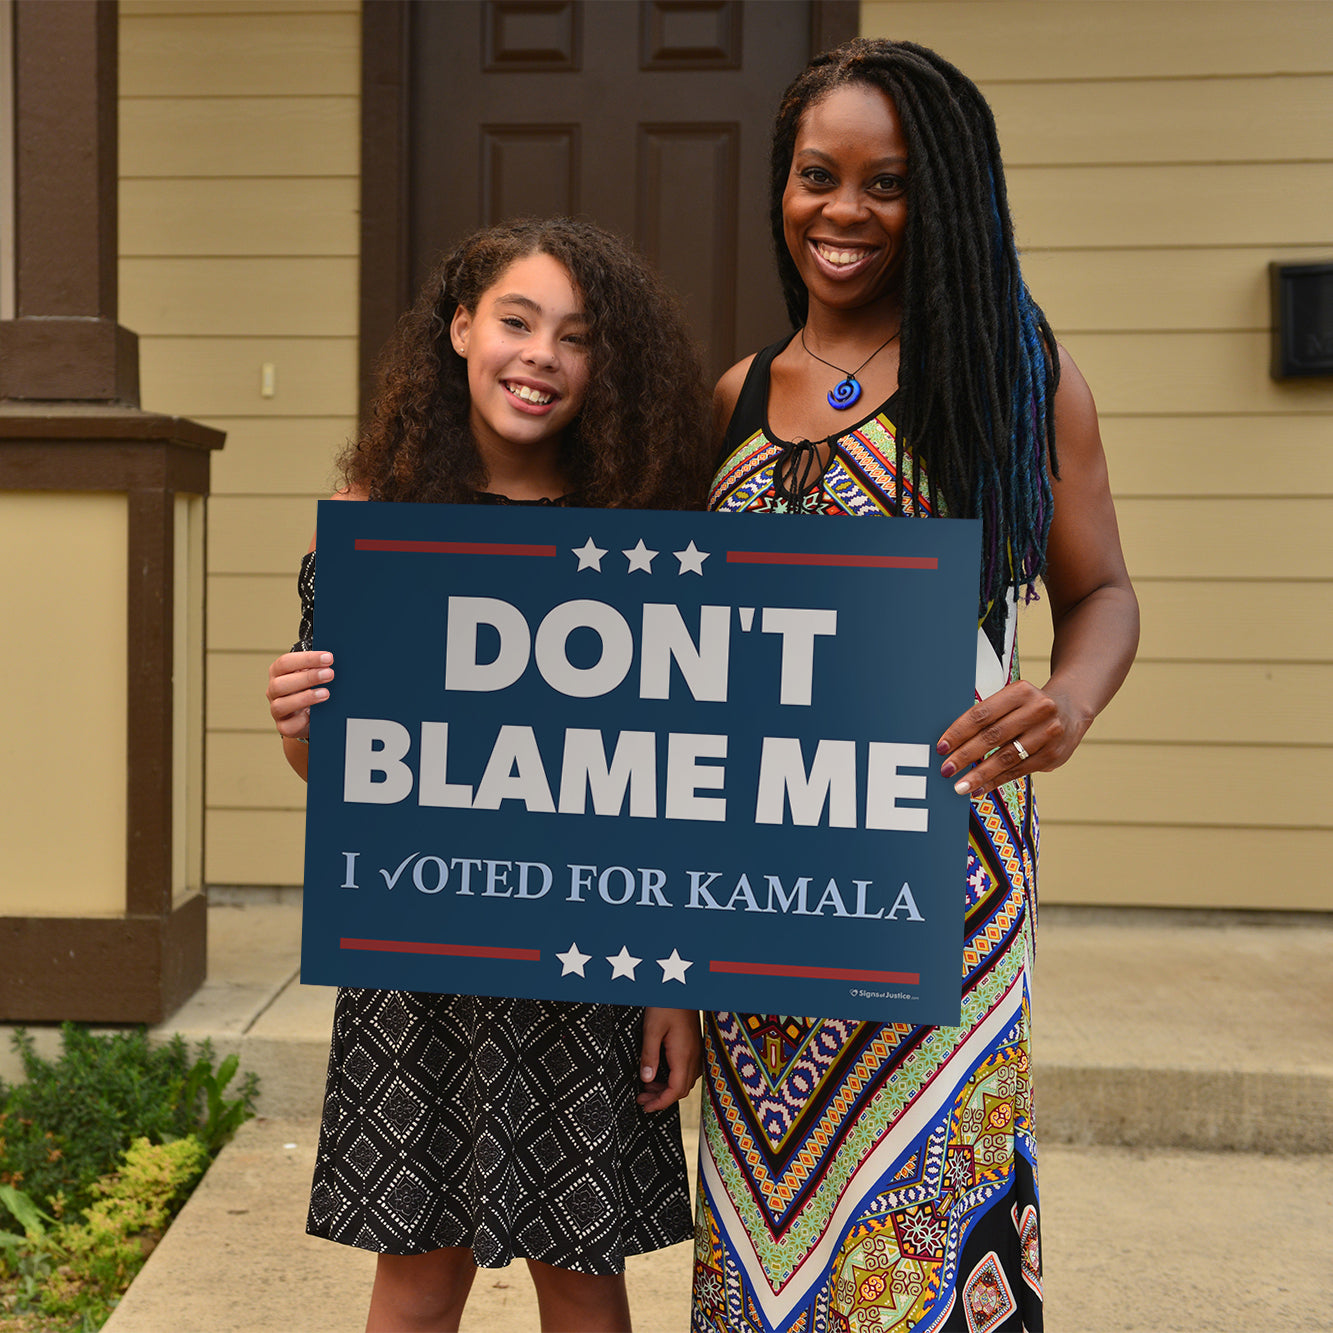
{"type": "Point", "coordinates": [507, 1126]}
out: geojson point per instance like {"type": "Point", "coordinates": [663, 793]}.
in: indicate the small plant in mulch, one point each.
{"type": "Point", "coordinates": [98, 1151]}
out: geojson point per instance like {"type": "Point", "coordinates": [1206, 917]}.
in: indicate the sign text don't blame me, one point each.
{"type": "Point", "coordinates": [640, 758]}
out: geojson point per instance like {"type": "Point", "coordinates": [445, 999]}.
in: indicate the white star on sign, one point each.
{"type": "Point", "coordinates": [675, 967]}
{"type": "Point", "coordinates": [590, 556]}
{"type": "Point", "coordinates": [640, 558]}
{"type": "Point", "coordinates": [691, 559]}
{"type": "Point", "coordinates": [623, 964]}
{"type": "Point", "coordinates": [573, 960]}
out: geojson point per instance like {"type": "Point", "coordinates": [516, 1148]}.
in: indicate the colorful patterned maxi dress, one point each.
{"type": "Point", "coordinates": [860, 1176]}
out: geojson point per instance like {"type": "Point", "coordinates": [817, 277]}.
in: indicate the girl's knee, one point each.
{"type": "Point", "coordinates": [594, 1301]}
{"type": "Point", "coordinates": [421, 1290]}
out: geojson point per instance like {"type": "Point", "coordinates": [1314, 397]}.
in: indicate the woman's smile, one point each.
{"type": "Point", "coordinates": [844, 209]}
{"type": "Point", "coordinates": [842, 260]}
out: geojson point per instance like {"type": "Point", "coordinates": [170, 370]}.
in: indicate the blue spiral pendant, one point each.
{"type": "Point", "coordinates": [843, 394]}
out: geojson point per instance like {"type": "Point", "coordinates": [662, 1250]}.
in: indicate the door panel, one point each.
{"type": "Point", "coordinates": [652, 118]}
{"type": "Point", "coordinates": [521, 163]}
{"type": "Point", "coordinates": [694, 247]}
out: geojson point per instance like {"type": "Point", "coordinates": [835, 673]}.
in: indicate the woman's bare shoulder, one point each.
{"type": "Point", "coordinates": [728, 390]}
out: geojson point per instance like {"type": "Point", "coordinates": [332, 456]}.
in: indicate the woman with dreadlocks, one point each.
{"type": "Point", "coordinates": [859, 1175]}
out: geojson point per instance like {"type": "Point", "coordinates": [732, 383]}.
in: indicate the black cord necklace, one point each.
{"type": "Point", "coordinates": [848, 389]}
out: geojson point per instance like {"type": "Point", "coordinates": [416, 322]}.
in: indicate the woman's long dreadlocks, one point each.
{"type": "Point", "coordinates": [976, 402]}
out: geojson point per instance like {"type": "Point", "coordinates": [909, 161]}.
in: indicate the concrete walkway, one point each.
{"type": "Point", "coordinates": [1185, 1094]}
{"type": "Point", "coordinates": [1136, 1241]}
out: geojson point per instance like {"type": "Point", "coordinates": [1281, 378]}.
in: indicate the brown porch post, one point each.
{"type": "Point", "coordinates": [116, 933]}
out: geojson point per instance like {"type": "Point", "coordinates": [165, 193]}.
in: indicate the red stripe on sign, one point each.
{"type": "Point", "coordinates": [451, 950]}
{"type": "Point", "coordinates": [820, 973]}
{"type": "Point", "coordinates": [451, 548]}
{"type": "Point", "coordinates": [847, 561]}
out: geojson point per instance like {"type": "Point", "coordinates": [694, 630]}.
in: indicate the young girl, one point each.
{"type": "Point", "coordinates": [542, 364]}
{"type": "Point", "coordinates": [895, 1186]}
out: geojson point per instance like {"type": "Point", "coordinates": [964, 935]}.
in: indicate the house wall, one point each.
{"type": "Point", "coordinates": [1159, 155]}
{"type": "Point", "coordinates": [239, 165]}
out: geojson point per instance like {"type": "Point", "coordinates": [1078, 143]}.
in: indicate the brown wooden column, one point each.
{"type": "Point", "coordinates": [65, 342]}
{"type": "Point", "coordinates": [70, 423]}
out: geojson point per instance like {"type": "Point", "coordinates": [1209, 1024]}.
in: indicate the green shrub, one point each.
{"type": "Point", "coordinates": [73, 1118]}
{"type": "Point", "coordinates": [98, 1149]}
{"type": "Point", "coordinates": [78, 1270]}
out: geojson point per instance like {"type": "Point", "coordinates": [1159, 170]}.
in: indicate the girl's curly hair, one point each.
{"type": "Point", "coordinates": [642, 438]}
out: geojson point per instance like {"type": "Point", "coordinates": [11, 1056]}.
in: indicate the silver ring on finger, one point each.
{"type": "Point", "coordinates": [1022, 753]}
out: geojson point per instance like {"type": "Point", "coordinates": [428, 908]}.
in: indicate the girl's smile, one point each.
{"type": "Point", "coordinates": [527, 363]}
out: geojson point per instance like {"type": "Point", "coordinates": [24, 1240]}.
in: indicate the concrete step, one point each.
{"type": "Point", "coordinates": [1151, 1029]}
{"type": "Point", "coordinates": [1210, 1031]}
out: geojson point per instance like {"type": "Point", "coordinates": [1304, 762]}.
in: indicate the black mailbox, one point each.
{"type": "Point", "coordinates": [1302, 296]}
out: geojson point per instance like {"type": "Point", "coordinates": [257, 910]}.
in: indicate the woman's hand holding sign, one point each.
{"type": "Point", "coordinates": [1019, 729]}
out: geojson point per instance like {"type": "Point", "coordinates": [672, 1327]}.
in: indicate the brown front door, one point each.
{"type": "Point", "coordinates": [650, 117]}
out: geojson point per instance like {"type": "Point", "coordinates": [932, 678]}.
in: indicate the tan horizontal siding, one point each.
{"type": "Point", "coordinates": [1035, 40]}
{"type": "Point", "coordinates": [1142, 865]}
{"type": "Point", "coordinates": [279, 455]}
{"type": "Point", "coordinates": [1159, 289]}
{"type": "Point", "coordinates": [258, 846]}
{"type": "Point", "coordinates": [1183, 205]}
{"type": "Point", "coordinates": [236, 684]}
{"type": "Point", "coordinates": [258, 535]}
{"type": "Point", "coordinates": [148, 8]}
{"type": "Point", "coordinates": [212, 377]}
{"type": "Point", "coordinates": [254, 613]}
{"type": "Point", "coordinates": [288, 297]}
{"type": "Point", "coordinates": [1251, 703]}
{"type": "Point", "coordinates": [239, 239]}
{"type": "Point", "coordinates": [246, 771]}
{"type": "Point", "coordinates": [166, 137]}
{"type": "Point", "coordinates": [1183, 539]}
{"type": "Point", "coordinates": [249, 53]}
{"type": "Point", "coordinates": [258, 217]}
{"type": "Point", "coordinates": [1172, 120]}
{"type": "Point", "coordinates": [1213, 456]}
{"type": "Point", "coordinates": [1190, 373]}
{"type": "Point", "coordinates": [1218, 785]}
{"type": "Point", "coordinates": [1208, 620]}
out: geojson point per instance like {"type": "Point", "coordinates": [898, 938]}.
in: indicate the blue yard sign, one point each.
{"type": "Point", "coordinates": [641, 758]}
